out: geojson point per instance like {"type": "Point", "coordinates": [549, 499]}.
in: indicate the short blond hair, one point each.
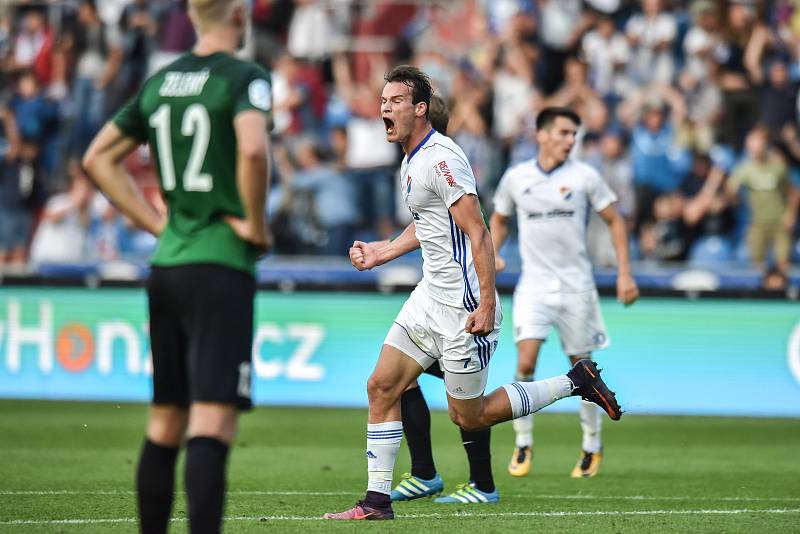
{"type": "Point", "coordinates": [206, 14]}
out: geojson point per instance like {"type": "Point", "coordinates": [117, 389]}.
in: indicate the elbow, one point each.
{"type": "Point", "coordinates": [89, 161]}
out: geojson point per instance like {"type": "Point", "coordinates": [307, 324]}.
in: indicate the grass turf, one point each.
{"type": "Point", "coordinates": [68, 467]}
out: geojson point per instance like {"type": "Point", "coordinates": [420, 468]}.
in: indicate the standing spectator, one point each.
{"type": "Point", "coordinates": [175, 34]}
{"type": "Point", "coordinates": [33, 46]}
{"type": "Point", "coordinates": [36, 119]}
{"type": "Point", "coordinates": [607, 53]}
{"type": "Point", "coordinates": [707, 211]}
{"type": "Point", "coordinates": [310, 32]}
{"type": "Point", "coordinates": [15, 217]}
{"type": "Point", "coordinates": [563, 23]}
{"type": "Point", "coordinates": [64, 230]}
{"type": "Point", "coordinates": [764, 176]}
{"type": "Point", "coordinates": [98, 56]}
{"type": "Point", "coordinates": [739, 99]}
{"type": "Point", "coordinates": [651, 35]}
{"type": "Point", "coordinates": [613, 162]}
{"type": "Point", "coordinates": [138, 27]}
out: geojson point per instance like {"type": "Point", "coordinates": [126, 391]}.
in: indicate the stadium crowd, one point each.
{"type": "Point", "coordinates": [689, 109]}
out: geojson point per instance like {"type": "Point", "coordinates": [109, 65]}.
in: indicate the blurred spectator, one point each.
{"type": "Point", "coordinates": [469, 125]}
{"type": "Point", "coordinates": [175, 35]}
{"type": "Point", "coordinates": [607, 53]}
{"type": "Point", "coordinates": [577, 93]}
{"type": "Point", "coordinates": [36, 119]}
{"type": "Point", "coordinates": [310, 33]}
{"type": "Point", "coordinates": [138, 26]}
{"type": "Point", "coordinates": [651, 34]}
{"type": "Point", "coordinates": [63, 232]}
{"type": "Point", "coordinates": [15, 215]}
{"type": "Point", "coordinates": [33, 46]}
{"type": "Point", "coordinates": [763, 175]}
{"type": "Point", "coordinates": [699, 41]}
{"type": "Point", "coordinates": [613, 163]}
{"type": "Point", "coordinates": [778, 100]}
{"type": "Point", "coordinates": [657, 161]}
{"type": "Point", "coordinates": [513, 90]}
{"type": "Point", "coordinates": [707, 211]}
{"type": "Point", "coordinates": [98, 55]}
{"type": "Point", "coordinates": [739, 99]}
{"type": "Point", "coordinates": [563, 23]}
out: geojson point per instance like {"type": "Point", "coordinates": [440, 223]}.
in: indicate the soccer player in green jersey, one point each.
{"type": "Point", "coordinates": [205, 118]}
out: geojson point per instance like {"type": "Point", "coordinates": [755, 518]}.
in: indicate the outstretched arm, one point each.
{"type": "Point", "coordinates": [627, 292]}
{"type": "Point", "coordinates": [467, 215]}
{"type": "Point", "coordinates": [103, 162]}
{"type": "Point", "coordinates": [365, 256]}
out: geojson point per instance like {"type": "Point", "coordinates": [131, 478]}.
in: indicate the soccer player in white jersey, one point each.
{"type": "Point", "coordinates": [551, 195]}
{"type": "Point", "coordinates": [453, 315]}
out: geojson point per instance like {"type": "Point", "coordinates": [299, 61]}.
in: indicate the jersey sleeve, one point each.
{"type": "Point", "coordinates": [600, 194]}
{"type": "Point", "coordinates": [130, 121]}
{"type": "Point", "coordinates": [451, 178]}
{"type": "Point", "coordinates": [254, 92]}
{"type": "Point", "coordinates": [503, 201]}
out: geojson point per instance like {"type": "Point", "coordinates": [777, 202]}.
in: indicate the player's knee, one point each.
{"type": "Point", "coordinates": [380, 390]}
{"type": "Point", "coordinates": [467, 422]}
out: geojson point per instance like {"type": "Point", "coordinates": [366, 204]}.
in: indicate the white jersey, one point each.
{"type": "Point", "coordinates": [552, 214]}
{"type": "Point", "coordinates": [432, 177]}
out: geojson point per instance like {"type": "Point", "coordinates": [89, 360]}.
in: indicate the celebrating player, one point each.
{"type": "Point", "coordinates": [424, 480]}
{"type": "Point", "coordinates": [551, 194]}
{"type": "Point", "coordinates": [453, 314]}
{"type": "Point", "coordinates": [205, 118]}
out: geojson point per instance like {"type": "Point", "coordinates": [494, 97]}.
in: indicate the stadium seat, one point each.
{"type": "Point", "coordinates": [711, 250]}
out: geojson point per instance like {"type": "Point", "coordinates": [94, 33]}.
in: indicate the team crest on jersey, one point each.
{"type": "Point", "coordinates": [260, 94]}
{"type": "Point", "coordinates": [443, 171]}
{"type": "Point", "coordinates": [408, 184]}
{"type": "Point", "coordinates": [566, 192]}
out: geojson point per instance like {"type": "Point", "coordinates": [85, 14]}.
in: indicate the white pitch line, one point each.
{"type": "Point", "coordinates": [419, 516]}
{"type": "Point", "coordinates": [346, 493]}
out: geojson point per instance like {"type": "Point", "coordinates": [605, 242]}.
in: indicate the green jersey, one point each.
{"type": "Point", "coordinates": [185, 112]}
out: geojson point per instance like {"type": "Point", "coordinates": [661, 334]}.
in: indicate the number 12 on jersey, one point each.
{"type": "Point", "coordinates": [196, 124]}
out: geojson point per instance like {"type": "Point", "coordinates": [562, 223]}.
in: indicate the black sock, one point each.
{"type": "Point", "coordinates": [478, 447]}
{"type": "Point", "coordinates": [417, 429]}
{"type": "Point", "coordinates": [205, 483]}
{"type": "Point", "coordinates": [155, 481]}
{"type": "Point", "coordinates": [376, 499]}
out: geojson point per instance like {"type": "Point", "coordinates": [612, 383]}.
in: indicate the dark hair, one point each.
{"type": "Point", "coordinates": [439, 114]}
{"type": "Point", "coordinates": [417, 80]}
{"type": "Point", "coordinates": [548, 116]}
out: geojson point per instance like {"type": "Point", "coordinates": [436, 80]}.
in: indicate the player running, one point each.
{"type": "Point", "coordinates": [424, 480]}
{"type": "Point", "coordinates": [552, 194]}
{"type": "Point", "coordinates": [453, 314]}
{"type": "Point", "coordinates": [205, 118]}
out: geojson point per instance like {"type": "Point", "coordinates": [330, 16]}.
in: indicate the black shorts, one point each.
{"type": "Point", "coordinates": [435, 370]}
{"type": "Point", "coordinates": [201, 334]}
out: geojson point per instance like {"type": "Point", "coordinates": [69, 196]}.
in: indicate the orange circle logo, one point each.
{"type": "Point", "coordinates": [75, 347]}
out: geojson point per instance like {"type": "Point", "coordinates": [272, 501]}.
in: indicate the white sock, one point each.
{"type": "Point", "coordinates": [590, 424]}
{"type": "Point", "coordinates": [529, 397]}
{"type": "Point", "coordinates": [383, 442]}
{"type": "Point", "coordinates": [523, 426]}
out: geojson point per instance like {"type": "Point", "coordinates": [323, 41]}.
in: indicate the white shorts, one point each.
{"type": "Point", "coordinates": [427, 330]}
{"type": "Point", "coordinates": [576, 317]}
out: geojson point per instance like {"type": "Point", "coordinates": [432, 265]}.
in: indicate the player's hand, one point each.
{"type": "Point", "coordinates": [627, 292]}
{"type": "Point", "coordinates": [499, 263]}
{"type": "Point", "coordinates": [259, 237]}
{"type": "Point", "coordinates": [481, 321]}
{"type": "Point", "coordinates": [363, 256]}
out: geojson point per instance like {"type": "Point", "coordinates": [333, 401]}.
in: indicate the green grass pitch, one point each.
{"type": "Point", "coordinates": [68, 467]}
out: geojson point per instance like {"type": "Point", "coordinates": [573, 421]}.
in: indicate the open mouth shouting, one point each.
{"type": "Point", "coordinates": [389, 124]}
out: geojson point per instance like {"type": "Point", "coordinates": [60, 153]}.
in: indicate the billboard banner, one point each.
{"type": "Point", "coordinates": [667, 356]}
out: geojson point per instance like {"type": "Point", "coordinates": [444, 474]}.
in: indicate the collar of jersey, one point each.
{"type": "Point", "coordinates": [551, 171]}
{"type": "Point", "coordinates": [416, 148]}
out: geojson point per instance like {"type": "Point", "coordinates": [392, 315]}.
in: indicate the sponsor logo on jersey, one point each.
{"type": "Point", "coordinates": [260, 94]}
{"type": "Point", "coordinates": [552, 214]}
{"type": "Point", "coordinates": [183, 83]}
{"type": "Point", "coordinates": [566, 192]}
{"type": "Point", "coordinates": [443, 171]}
